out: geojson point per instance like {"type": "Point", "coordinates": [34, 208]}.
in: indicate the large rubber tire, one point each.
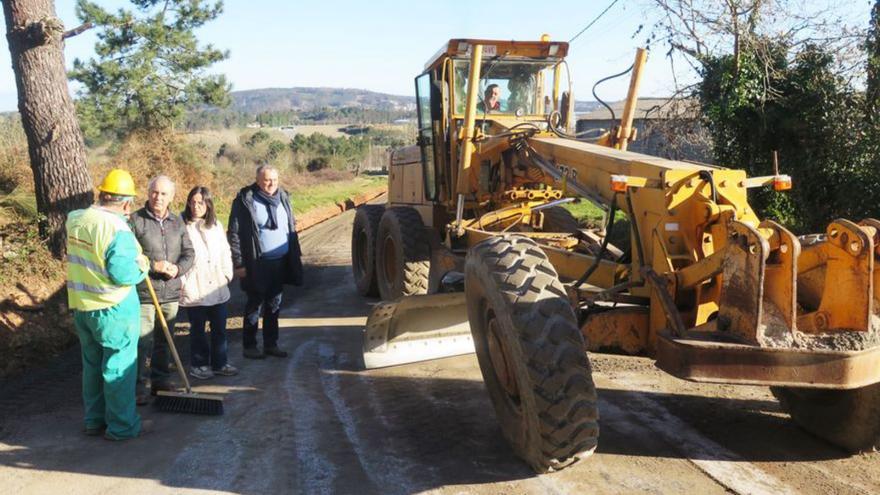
{"type": "Point", "coordinates": [363, 248]}
{"type": "Point", "coordinates": [540, 382]}
{"type": "Point", "coordinates": [558, 219]}
{"type": "Point", "coordinates": [403, 254]}
{"type": "Point", "coordinates": [847, 418]}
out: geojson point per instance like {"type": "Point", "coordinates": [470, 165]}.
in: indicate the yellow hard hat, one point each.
{"type": "Point", "coordinates": [118, 182]}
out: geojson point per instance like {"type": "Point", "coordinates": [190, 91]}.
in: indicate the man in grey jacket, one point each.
{"type": "Point", "coordinates": [163, 237]}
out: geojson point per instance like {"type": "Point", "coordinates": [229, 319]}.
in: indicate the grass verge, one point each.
{"type": "Point", "coordinates": [310, 197]}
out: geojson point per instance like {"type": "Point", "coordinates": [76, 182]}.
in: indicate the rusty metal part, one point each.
{"type": "Point", "coordinates": [703, 360]}
{"type": "Point", "coordinates": [780, 282]}
{"type": "Point", "coordinates": [661, 290]}
{"type": "Point", "coordinates": [622, 329]}
{"type": "Point", "coordinates": [740, 307]}
{"type": "Point", "coordinates": [501, 364]}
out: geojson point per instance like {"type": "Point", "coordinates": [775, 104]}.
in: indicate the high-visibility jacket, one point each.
{"type": "Point", "coordinates": [102, 259]}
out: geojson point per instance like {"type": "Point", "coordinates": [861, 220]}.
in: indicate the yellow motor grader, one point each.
{"type": "Point", "coordinates": [474, 252]}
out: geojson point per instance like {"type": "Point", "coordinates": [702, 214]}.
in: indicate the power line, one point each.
{"type": "Point", "coordinates": [594, 20]}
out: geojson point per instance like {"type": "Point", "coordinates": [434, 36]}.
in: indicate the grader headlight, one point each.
{"type": "Point", "coordinates": [781, 182]}
{"type": "Point", "coordinates": [619, 183]}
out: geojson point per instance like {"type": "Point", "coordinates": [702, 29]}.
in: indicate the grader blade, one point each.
{"type": "Point", "coordinates": [417, 328]}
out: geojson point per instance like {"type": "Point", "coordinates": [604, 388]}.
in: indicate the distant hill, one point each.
{"type": "Point", "coordinates": [256, 101]}
{"type": "Point", "coordinates": [586, 106]}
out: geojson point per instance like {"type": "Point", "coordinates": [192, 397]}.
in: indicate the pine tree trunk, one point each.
{"type": "Point", "coordinates": [55, 142]}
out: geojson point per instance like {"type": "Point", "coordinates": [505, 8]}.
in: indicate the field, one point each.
{"type": "Point", "coordinates": [214, 138]}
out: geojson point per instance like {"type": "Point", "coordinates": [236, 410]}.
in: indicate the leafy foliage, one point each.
{"type": "Point", "coordinates": [217, 118]}
{"type": "Point", "coordinates": [319, 163]}
{"type": "Point", "coordinates": [257, 138]}
{"type": "Point", "coordinates": [809, 114]}
{"type": "Point", "coordinates": [337, 152]}
{"type": "Point", "coordinates": [149, 67]}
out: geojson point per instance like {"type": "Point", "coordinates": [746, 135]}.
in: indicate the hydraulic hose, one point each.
{"type": "Point", "coordinates": [604, 248]}
{"type": "Point", "coordinates": [707, 176]}
{"type": "Point", "coordinates": [600, 81]}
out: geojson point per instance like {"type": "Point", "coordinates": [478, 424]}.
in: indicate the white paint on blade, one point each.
{"type": "Point", "coordinates": [317, 472]}
{"type": "Point", "coordinates": [720, 464]}
{"type": "Point", "coordinates": [385, 471]}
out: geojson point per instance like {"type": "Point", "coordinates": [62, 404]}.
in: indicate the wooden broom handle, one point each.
{"type": "Point", "coordinates": [168, 337]}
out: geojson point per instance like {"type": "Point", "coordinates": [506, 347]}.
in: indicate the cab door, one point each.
{"type": "Point", "coordinates": [425, 138]}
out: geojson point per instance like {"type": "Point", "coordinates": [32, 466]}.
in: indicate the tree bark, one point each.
{"type": "Point", "coordinates": [55, 142]}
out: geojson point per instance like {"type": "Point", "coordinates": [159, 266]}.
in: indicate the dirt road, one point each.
{"type": "Point", "coordinates": [313, 423]}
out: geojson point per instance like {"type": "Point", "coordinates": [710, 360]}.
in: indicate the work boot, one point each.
{"type": "Point", "coordinates": [94, 431]}
{"type": "Point", "coordinates": [275, 351]}
{"type": "Point", "coordinates": [146, 427]}
{"type": "Point", "coordinates": [253, 353]}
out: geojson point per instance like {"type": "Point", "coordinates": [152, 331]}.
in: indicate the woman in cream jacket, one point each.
{"type": "Point", "coordinates": [205, 289]}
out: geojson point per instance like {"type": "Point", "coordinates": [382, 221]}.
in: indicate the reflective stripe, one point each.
{"type": "Point", "coordinates": [90, 233]}
{"type": "Point", "coordinates": [87, 244]}
{"type": "Point", "coordinates": [71, 285]}
{"type": "Point", "coordinates": [91, 265]}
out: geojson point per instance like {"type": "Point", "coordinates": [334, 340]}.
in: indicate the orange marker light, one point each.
{"type": "Point", "coordinates": [618, 183]}
{"type": "Point", "coordinates": [545, 38]}
{"type": "Point", "coordinates": [781, 183]}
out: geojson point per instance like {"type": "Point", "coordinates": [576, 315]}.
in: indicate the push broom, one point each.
{"type": "Point", "coordinates": [188, 401]}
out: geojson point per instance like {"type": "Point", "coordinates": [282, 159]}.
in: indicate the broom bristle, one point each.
{"type": "Point", "coordinates": [179, 402]}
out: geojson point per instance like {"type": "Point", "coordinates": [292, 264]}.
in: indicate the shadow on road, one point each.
{"type": "Point", "coordinates": [398, 430]}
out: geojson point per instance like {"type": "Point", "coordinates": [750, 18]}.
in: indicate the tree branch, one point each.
{"type": "Point", "coordinates": [77, 30]}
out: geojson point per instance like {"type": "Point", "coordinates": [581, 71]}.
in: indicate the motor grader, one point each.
{"type": "Point", "coordinates": [474, 252]}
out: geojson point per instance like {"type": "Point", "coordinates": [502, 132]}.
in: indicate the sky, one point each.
{"type": "Point", "coordinates": [381, 45]}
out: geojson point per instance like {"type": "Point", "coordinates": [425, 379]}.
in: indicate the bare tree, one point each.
{"type": "Point", "coordinates": [700, 29]}
{"type": "Point", "coordinates": [55, 143]}
{"type": "Point", "coordinates": [696, 33]}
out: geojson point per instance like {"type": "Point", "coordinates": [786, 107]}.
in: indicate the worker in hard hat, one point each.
{"type": "Point", "coordinates": [104, 263]}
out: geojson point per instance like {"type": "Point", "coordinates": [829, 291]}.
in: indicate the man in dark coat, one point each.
{"type": "Point", "coordinates": [163, 237]}
{"type": "Point", "coordinates": [265, 255]}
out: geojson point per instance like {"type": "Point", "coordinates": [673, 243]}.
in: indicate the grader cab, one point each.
{"type": "Point", "coordinates": [475, 252]}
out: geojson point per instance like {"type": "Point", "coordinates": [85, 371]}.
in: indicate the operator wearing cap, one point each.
{"type": "Point", "coordinates": [104, 263]}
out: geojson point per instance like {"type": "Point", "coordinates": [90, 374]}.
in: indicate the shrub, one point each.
{"type": "Point", "coordinates": [316, 164]}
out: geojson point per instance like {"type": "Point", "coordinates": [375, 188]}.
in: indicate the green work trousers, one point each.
{"type": "Point", "coordinates": [109, 339]}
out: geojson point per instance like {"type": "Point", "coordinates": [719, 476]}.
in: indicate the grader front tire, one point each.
{"type": "Point", "coordinates": [847, 418]}
{"type": "Point", "coordinates": [363, 248]}
{"type": "Point", "coordinates": [403, 254]}
{"type": "Point", "coordinates": [531, 353]}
